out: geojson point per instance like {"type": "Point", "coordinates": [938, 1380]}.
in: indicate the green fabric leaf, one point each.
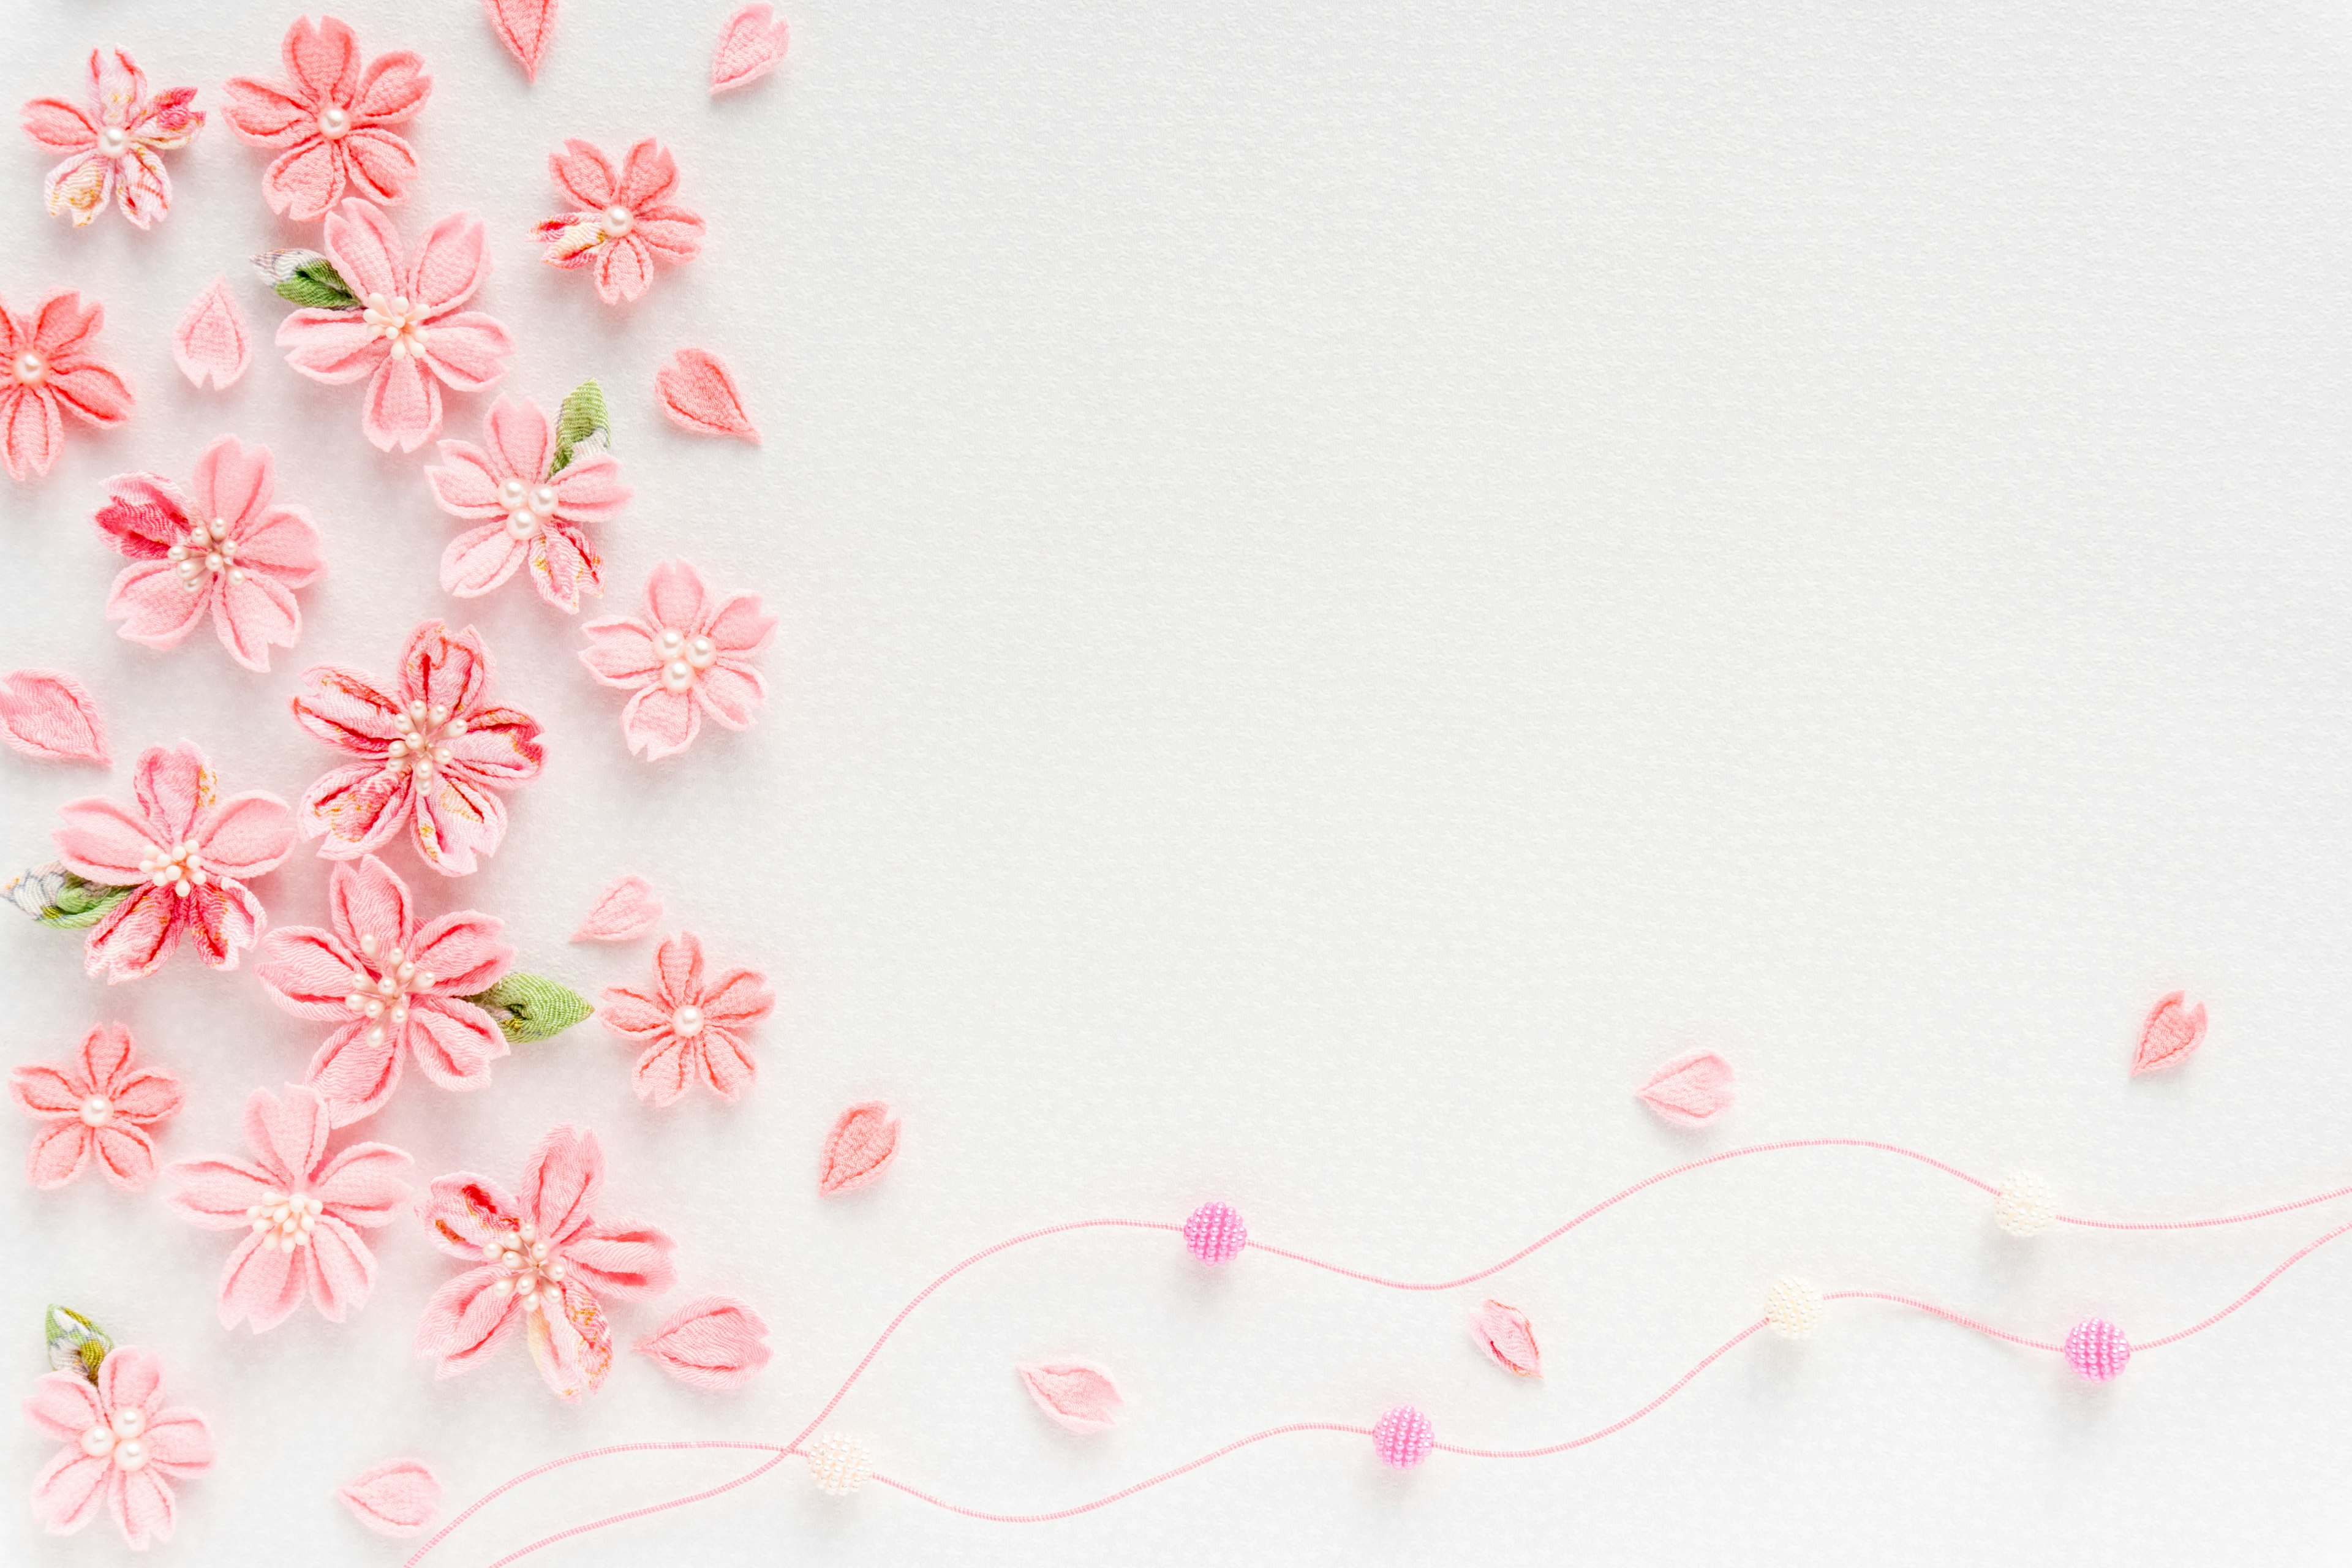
{"type": "Point", "coordinates": [581, 427]}
{"type": "Point", "coordinates": [531, 1007]}
{"type": "Point", "coordinates": [56, 897]}
{"type": "Point", "coordinates": [76, 1343]}
{"type": "Point", "coordinates": [306, 278]}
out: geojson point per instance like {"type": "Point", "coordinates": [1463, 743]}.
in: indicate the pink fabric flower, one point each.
{"type": "Point", "coordinates": [124, 1448]}
{"type": "Point", "coordinates": [624, 220]}
{"type": "Point", "coordinates": [111, 147]}
{"type": "Point", "coordinates": [391, 988]}
{"type": "Point", "coordinates": [220, 545]}
{"type": "Point", "coordinates": [689, 1025]}
{"type": "Point", "coordinates": [303, 1211]}
{"type": "Point", "coordinates": [186, 854]}
{"type": "Point", "coordinates": [408, 323]}
{"type": "Point", "coordinates": [97, 1104]}
{"type": "Point", "coordinates": [684, 657]}
{"type": "Point", "coordinates": [330, 119]}
{"type": "Point", "coordinates": [45, 367]}
{"type": "Point", "coordinates": [526, 512]}
{"type": "Point", "coordinates": [436, 748]}
{"type": "Point", "coordinates": [542, 1260]}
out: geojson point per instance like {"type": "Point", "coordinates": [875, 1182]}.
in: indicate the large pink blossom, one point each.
{"type": "Point", "coordinates": [329, 117]}
{"type": "Point", "coordinates": [390, 988]}
{"type": "Point", "coordinates": [97, 1104]}
{"type": "Point", "coordinates": [690, 1027]}
{"type": "Point", "coordinates": [123, 1449]}
{"type": "Point", "coordinates": [407, 336]}
{"type": "Point", "coordinates": [45, 367]}
{"type": "Point", "coordinates": [220, 545]}
{"type": "Point", "coordinates": [111, 147]}
{"type": "Point", "coordinates": [683, 657]}
{"type": "Point", "coordinates": [542, 1260]}
{"type": "Point", "coordinates": [625, 218]}
{"type": "Point", "coordinates": [435, 753]}
{"type": "Point", "coordinates": [525, 511]}
{"type": "Point", "coordinates": [303, 1211]}
{"type": "Point", "coordinates": [186, 854]}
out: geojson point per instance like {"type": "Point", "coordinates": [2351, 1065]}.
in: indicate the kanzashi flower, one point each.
{"type": "Point", "coordinates": [543, 1261]}
{"type": "Point", "coordinates": [624, 219]}
{"type": "Point", "coordinates": [303, 1211]}
{"type": "Point", "coordinates": [45, 367]}
{"type": "Point", "coordinates": [690, 1027]}
{"type": "Point", "coordinates": [528, 510]}
{"type": "Point", "coordinates": [683, 657]}
{"type": "Point", "coordinates": [124, 1448]}
{"type": "Point", "coordinates": [111, 146]}
{"type": "Point", "coordinates": [219, 545]}
{"type": "Point", "coordinates": [435, 751]}
{"type": "Point", "coordinates": [407, 336]}
{"type": "Point", "coordinates": [184, 856]}
{"type": "Point", "coordinates": [393, 989]}
{"type": "Point", "coordinates": [329, 117]}
{"type": "Point", "coordinates": [97, 1104]}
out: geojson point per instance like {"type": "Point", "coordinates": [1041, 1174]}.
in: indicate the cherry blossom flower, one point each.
{"type": "Point", "coordinates": [97, 1104]}
{"type": "Point", "coordinates": [526, 509]}
{"type": "Point", "coordinates": [330, 119]}
{"type": "Point", "coordinates": [691, 1026]}
{"type": "Point", "coordinates": [407, 335]}
{"type": "Point", "coordinates": [124, 1448]}
{"type": "Point", "coordinates": [184, 855]}
{"type": "Point", "coordinates": [435, 751]}
{"type": "Point", "coordinates": [45, 367]}
{"type": "Point", "coordinates": [684, 656]}
{"type": "Point", "coordinates": [110, 147]}
{"type": "Point", "coordinates": [219, 545]}
{"type": "Point", "coordinates": [542, 1260]}
{"type": "Point", "coordinates": [625, 221]}
{"type": "Point", "coordinates": [393, 989]}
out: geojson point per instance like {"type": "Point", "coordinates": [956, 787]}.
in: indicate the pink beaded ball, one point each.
{"type": "Point", "coordinates": [2097, 1349]}
{"type": "Point", "coordinates": [1215, 1234]}
{"type": "Point", "coordinates": [1403, 1436]}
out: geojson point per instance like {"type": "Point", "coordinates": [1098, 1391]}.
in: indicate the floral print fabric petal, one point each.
{"type": "Point", "coordinates": [623, 219]}
{"type": "Point", "coordinates": [112, 147]}
{"type": "Point", "coordinates": [525, 512]}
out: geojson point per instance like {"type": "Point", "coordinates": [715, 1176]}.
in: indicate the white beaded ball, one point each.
{"type": "Point", "coordinates": [2027, 1205]}
{"type": "Point", "coordinates": [1792, 1306]}
{"type": "Point", "coordinates": [838, 1464]}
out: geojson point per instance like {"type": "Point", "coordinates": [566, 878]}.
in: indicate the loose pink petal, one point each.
{"type": "Point", "coordinates": [1078, 1394]}
{"type": "Point", "coordinates": [397, 1498]}
{"type": "Point", "coordinates": [1504, 1333]}
{"type": "Point", "coordinates": [624, 911]}
{"type": "Point", "coordinates": [863, 1143]}
{"type": "Point", "coordinates": [2173, 1031]}
{"type": "Point", "coordinates": [211, 339]}
{"type": "Point", "coordinates": [47, 714]}
{"type": "Point", "coordinates": [697, 392]}
{"type": "Point", "coordinates": [523, 27]}
{"type": "Point", "coordinates": [750, 47]}
{"type": "Point", "coordinates": [1693, 1087]}
{"type": "Point", "coordinates": [715, 1342]}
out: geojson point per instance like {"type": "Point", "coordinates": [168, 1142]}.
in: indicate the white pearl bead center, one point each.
{"type": "Point", "coordinates": [207, 552]}
{"type": "Point", "coordinates": [31, 367]}
{"type": "Point", "coordinates": [616, 220]}
{"type": "Point", "coordinates": [380, 990]}
{"type": "Point", "coordinates": [423, 744]}
{"type": "Point", "coordinates": [532, 1271]}
{"type": "Point", "coordinates": [684, 657]}
{"type": "Point", "coordinates": [334, 123]}
{"type": "Point", "coordinates": [114, 141]}
{"type": "Point", "coordinates": [687, 1021]}
{"type": "Point", "coordinates": [283, 1220]}
{"type": "Point", "coordinates": [399, 323]}
{"type": "Point", "coordinates": [179, 867]}
{"type": "Point", "coordinates": [97, 1110]}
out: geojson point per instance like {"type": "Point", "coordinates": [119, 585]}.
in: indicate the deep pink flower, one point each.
{"type": "Point", "coordinates": [97, 1104]}
{"type": "Point", "coordinates": [543, 1261]}
{"type": "Point", "coordinates": [435, 751]}
{"type": "Point", "coordinates": [624, 222]}
{"type": "Point", "coordinates": [45, 367]}
{"type": "Point", "coordinates": [526, 512]}
{"type": "Point", "coordinates": [393, 989]}
{"type": "Point", "coordinates": [330, 119]}
{"type": "Point", "coordinates": [407, 323]}
{"type": "Point", "coordinates": [690, 1027]}
{"type": "Point", "coordinates": [188, 857]}
{"type": "Point", "coordinates": [684, 656]}
{"type": "Point", "coordinates": [124, 1448]}
{"type": "Point", "coordinates": [220, 545]}
{"type": "Point", "coordinates": [110, 147]}
{"type": "Point", "coordinates": [303, 1211]}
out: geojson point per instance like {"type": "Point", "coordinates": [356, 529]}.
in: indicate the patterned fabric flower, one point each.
{"type": "Point", "coordinates": [528, 510]}
{"type": "Point", "coordinates": [111, 147]}
{"type": "Point", "coordinates": [393, 988]}
{"type": "Point", "coordinates": [407, 336]}
{"type": "Point", "coordinates": [684, 656]}
{"type": "Point", "coordinates": [543, 1261]}
{"type": "Point", "coordinates": [186, 857]}
{"type": "Point", "coordinates": [124, 1448]}
{"type": "Point", "coordinates": [97, 1104]}
{"type": "Point", "coordinates": [303, 1211]}
{"type": "Point", "coordinates": [625, 221]}
{"type": "Point", "coordinates": [45, 367]}
{"type": "Point", "coordinates": [435, 751]}
{"type": "Point", "coordinates": [691, 1026]}
{"type": "Point", "coordinates": [219, 545]}
{"type": "Point", "coordinates": [329, 118]}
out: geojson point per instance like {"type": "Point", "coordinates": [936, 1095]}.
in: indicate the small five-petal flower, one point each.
{"type": "Point", "coordinates": [526, 509]}
{"type": "Point", "coordinates": [111, 146]}
{"type": "Point", "coordinates": [97, 1104]}
{"type": "Point", "coordinates": [683, 657]}
{"type": "Point", "coordinates": [123, 1449]}
{"type": "Point", "coordinates": [46, 369]}
{"type": "Point", "coordinates": [329, 117]}
{"type": "Point", "coordinates": [625, 218]}
{"type": "Point", "coordinates": [690, 1027]}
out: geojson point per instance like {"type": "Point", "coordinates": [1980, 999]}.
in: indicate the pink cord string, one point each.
{"type": "Point", "coordinates": [1947, 1315]}
{"type": "Point", "coordinates": [1709, 1359]}
{"type": "Point", "coordinates": [2260, 1286]}
{"type": "Point", "coordinates": [1124, 1492]}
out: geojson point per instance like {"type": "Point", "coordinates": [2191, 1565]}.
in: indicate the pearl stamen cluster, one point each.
{"type": "Point", "coordinates": [684, 657]}
{"type": "Point", "coordinates": [399, 320]}
{"type": "Point", "coordinates": [31, 367]}
{"type": "Point", "coordinates": [123, 1438]}
{"type": "Point", "coordinates": [284, 1220]}
{"type": "Point", "coordinates": [209, 552]}
{"type": "Point", "coordinates": [179, 867]}
{"type": "Point", "coordinates": [423, 739]}
{"type": "Point", "coordinates": [382, 998]}
{"type": "Point", "coordinates": [532, 1273]}
{"type": "Point", "coordinates": [528, 507]}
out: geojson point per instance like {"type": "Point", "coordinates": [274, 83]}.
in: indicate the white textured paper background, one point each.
{"type": "Point", "coordinates": [1352, 576]}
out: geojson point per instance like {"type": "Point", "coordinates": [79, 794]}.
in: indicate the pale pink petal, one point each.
{"type": "Point", "coordinates": [179, 1443]}
{"type": "Point", "coordinates": [712, 1342]}
{"type": "Point", "coordinates": [465, 1214]}
{"type": "Point", "coordinates": [266, 113]}
{"type": "Point", "coordinates": [283, 542]}
{"type": "Point", "coordinates": [741, 626]}
{"type": "Point", "coordinates": [59, 1150]}
{"type": "Point", "coordinates": [620, 652]}
{"type": "Point", "coordinates": [91, 390]}
{"type": "Point", "coordinates": [590, 489]}
{"type": "Point", "coordinates": [726, 1060]}
{"type": "Point", "coordinates": [355, 809]}
{"type": "Point", "coordinates": [42, 1089]}
{"type": "Point", "coordinates": [365, 248]}
{"type": "Point", "coordinates": [47, 713]}
{"type": "Point", "coordinates": [737, 997]}
{"type": "Point", "coordinates": [367, 898]}
{"type": "Point", "coordinates": [648, 174]}
{"type": "Point", "coordinates": [1504, 1334]}
{"type": "Point", "coordinates": [524, 27]}
{"type": "Point", "coordinates": [2174, 1029]}
{"type": "Point", "coordinates": [356, 1075]}
{"type": "Point", "coordinates": [398, 1497]}
{"type": "Point", "coordinates": [571, 1344]}
{"type": "Point", "coordinates": [259, 1284]}
{"type": "Point", "coordinates": [31, 433]}
{"type": "Point", "coordinates": [348, 711]}
{"type": "Point", "coordinates": [211, 340]}
{"type": "Point", "coordinates": [215, 1194]}
{"type": "Point", "coordinates": [630, 1013]}
{"type": "Point", "coordinates": [750, 47]}
{"type": "Point", "coordinates": [63, 323]}
{"type": "Point", "coordinates": [322, 60]}
{"type": "Point", "coordinates": [106, 1051]}
{"type": "Point", "coordinates": [626, 910]}
{"type": "Point", "coordinates": [1694, 1087]}
{"type": "Point", "coordinates": [463, 952]}
{"type": "Point", "coordinates": [466, 484]}
{"type": "Point", "coordinates": [233, 483]}
{"type": "Point", "coordinates": [670, 231]}
{"type": "Point", "coordinates": [135, 938]}
{"type": "Point", "coordinates": [697, 392]}
{"type": "Point", "coordinates": [561, 1182]}
{"type": "Point", "coordinates": [131, 1379]}
{"type": "Point", "coordinates": [444, 668]}
{"type": "Point", "coordinates": [64, 1405]}
{"type": "Point", "coordinates": [581, 171]}
{"type": "Point", "coordinates": [863, 1143]}
{"type": "Point", "coordinates": [458, 822]}
{"type": "Point", "coordinates": [624, 269]}
{"type": "Point", "coordinates": [332, 346]}
{"type": "Point", "coordinates": [247, 834]}
{"type": "Point", "coordinates": [623, 1262]}
{"type": "Point", "coordinates": [379, 163]}
{"type": "Point", "coordinates": [677, 969]}
{"type": "Point", "coordinates": [223, 919]}
{"type": "Point", "coordinates": [465, 1318]}
{"type": "Point", "coordinates": [125, 1154]}
{"type": "Point", "coordinates": [454, 1041]}
{"type": "Point", "coordinates": [288, 1134]}
{"type": "Point", "coordinates": [562, 565]}
{"type": "Point", "coordinates": [391, 89]}
{"type": "Point", "coordinates": [450, 264]}
{"type": "Point", "coordinates": [468, 350]}
{"type": "Point", "coordinates": [155, 604]}
{"type": "Point", "coordinates": [342, 1270]}
{"type": "Point", "coordinates": [666, 1067]}
{"type": "Point", "coordinates": [304, 180]}
{"type": "Point", "coordinates": [149, 1095]}
{"type": "Point", "coordinates": [520, 439]}
{"type": "Point", "coordinates": [59, 126]}
{"type": "Point", "coordinates": [253, 614]}
{"type": "Point", "coordinates": [362, 1184]}
{"type": "Point", "coordinates": [500, 746]}
{"type": "Point", "coordinates": [404, 405]}
{"type": "Point", "coordinates": [142, 1506]}
{"type": "Point", "coordinates": [70, 1488]}
{"type": "Point", "coordinates": [658, 722]}
{"type": "Point", "coordinates": [1077, 1394]}
{"type": "Point", "coordinates": [732, 693]}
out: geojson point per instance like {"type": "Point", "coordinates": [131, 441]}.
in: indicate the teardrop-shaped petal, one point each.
{"type": "Point", "coordinates": [699, 394]}
{"type": "Point", "coordinates": [863, 1143]}
{"type": "Point", "coordinates": [47, 714]}
{"type": "Point", "coordinates": [1078, 1394]}
{"type": "Point", "coordinates": [1693, 1087]}
{"type": "Point", "coordinates": [2173, 1030]}
{"type": "Point", "coordinates": [750, 47]}
{"type": "Point", "coordinates": [1504, 1332]}
{"type": "Point", "coordinates": [211, 339]}
{"type": "Point", "coordinates": [626, 910]}
{"type": "Point", "coordinates": [714, 1343]}
{"type": "Point", "coordinates": [524, 27]}
{"type": "Point", "coordinates": [397, 1498]}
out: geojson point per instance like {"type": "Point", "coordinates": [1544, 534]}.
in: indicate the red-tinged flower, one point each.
{"type": "Point", "coordinates": [123, 1449]}
{"type": "Point", "coordinates": [683, 657]}
{"type": "Point", "coordinates": [526, 510]}
{"type": "Point", "coordinates": [690, 1027]}
{"type": "Point", "coordinates": [624, 217]}
{"type": "Point", "coordinates": [46, 368]}
{"type": "Point", "coordinates": [97, 1104]}
{"type": "Point", "coordinates": [329, 117]}
{"type": "Point", "coordinates": [111, 147]}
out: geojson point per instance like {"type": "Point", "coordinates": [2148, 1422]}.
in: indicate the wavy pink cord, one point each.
{"type": "Point", "coordinates": [1124, 1492]}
